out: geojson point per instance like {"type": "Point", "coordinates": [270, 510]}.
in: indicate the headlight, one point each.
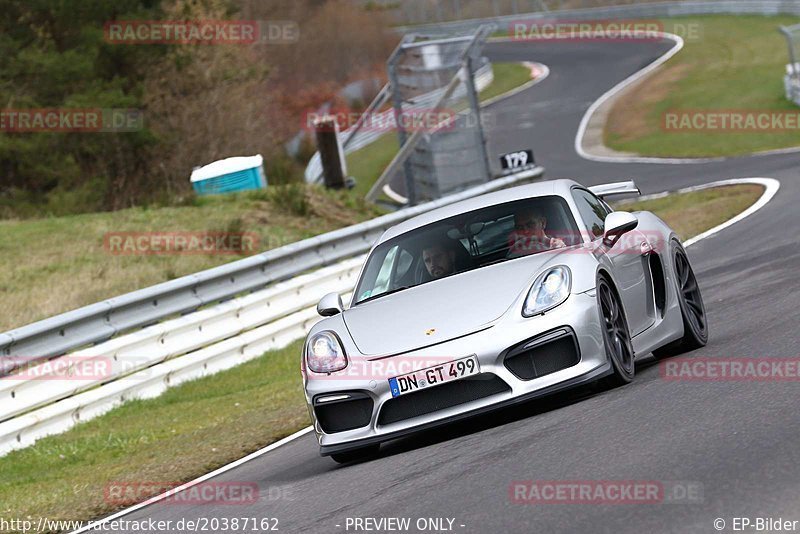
{"type": "Point", "coordinates": [324, 353]}
{"type": "Point", "coordinates": [550, 289]}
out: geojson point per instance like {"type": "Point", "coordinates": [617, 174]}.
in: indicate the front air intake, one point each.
{"type": "Point", "coordinates": [545, 354]}
{"type": "Point", "coordinates": [353, 410]}
{"type": "Point", "coordinates": [440, 397]}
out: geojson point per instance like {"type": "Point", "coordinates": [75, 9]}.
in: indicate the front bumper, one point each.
{"type": "Point", "coordinates": [577, 316]}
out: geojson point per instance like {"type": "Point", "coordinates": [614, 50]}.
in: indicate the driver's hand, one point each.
{"type": "Point", "coordinates": [557, 243]}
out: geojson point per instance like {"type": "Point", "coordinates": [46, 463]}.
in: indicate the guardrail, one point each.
{"type": "Point", "coordinates": [237, 327]}
{"type": "Point", "coordinates": [144, 348]}
{"type": "Point", "coordinates": [145, 363]}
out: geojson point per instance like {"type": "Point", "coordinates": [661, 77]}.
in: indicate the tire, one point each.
{"type": "Point", "coordinates": [693, 311]}
{"type": "Point", "coordinates": [616, 335]}
{"type": "Point", "coordinates": [355, 454]}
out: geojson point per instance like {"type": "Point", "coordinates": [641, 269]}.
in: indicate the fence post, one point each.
{"type": "Point", "coordinates": [474, 103]}
{"type": "Point", "coordinates": [331, 153]}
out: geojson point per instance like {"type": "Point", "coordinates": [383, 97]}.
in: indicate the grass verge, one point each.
{"type": "Point", "coordinates": [367, 164]}
{"type": "Point", "coordinates": [692, 213]}
{"type": "Point", "coordinates": [507, 76]}
{"type": "Point", "coordinates": [56, 264]}
{"type": "Point", "coordinates": [734, 63]}
{"type": "Point", "coordinates": [201, 425]}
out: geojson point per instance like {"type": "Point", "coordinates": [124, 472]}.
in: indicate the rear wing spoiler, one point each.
{"type": "Point", "coordinates": [617, 188]}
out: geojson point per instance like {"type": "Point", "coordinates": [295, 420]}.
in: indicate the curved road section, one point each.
{"type": "Point", "coordinates": [730, 448]}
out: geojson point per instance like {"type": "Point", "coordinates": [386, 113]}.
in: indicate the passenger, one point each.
{"type": "Point", "coordinates": [528, 235]}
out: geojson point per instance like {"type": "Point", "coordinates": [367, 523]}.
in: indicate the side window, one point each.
{"type": "Point", "coordinates": [592, 210]}
{"type": "Point", "coordinates": [494, 236]}
{"type": "Point", "coordinates": [382, 280]}
{"type": "Point", "coordinates": [404, 261]}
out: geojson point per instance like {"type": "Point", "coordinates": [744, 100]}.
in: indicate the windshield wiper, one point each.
{"type": "Point", "coordinates": [371, 297]}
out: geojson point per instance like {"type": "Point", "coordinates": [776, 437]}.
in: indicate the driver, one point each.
{"type": "Point", "coordinates": [528, 235]}
{"type": "Point", "coordinates": [439, 260]}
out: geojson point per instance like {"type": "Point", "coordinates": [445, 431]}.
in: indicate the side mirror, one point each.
{"type": "Point", "coordinates": [618, 223]}
{"type": "Point", "coordinates": [330, 304]}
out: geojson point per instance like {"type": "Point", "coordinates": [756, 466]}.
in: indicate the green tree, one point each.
{"type": "Point", "coordinates": [53, 54]}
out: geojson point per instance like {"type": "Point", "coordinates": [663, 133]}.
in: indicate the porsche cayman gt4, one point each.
{"type": "Point", "coordinates": [495, 300]}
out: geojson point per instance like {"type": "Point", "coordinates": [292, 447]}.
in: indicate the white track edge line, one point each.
{"type": "Point", "coordinates": [636, 76]}
{"type": "Point", "coordinates": [613, 91]}
{"type": "Point", "coordinates": [771, 186]}
{"type": "Point", "coordinates": [652, 159]}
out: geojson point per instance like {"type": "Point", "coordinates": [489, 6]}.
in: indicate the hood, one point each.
{"type": "Point", "coordinates": [453, 306]}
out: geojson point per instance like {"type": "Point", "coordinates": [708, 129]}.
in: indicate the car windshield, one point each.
{"type": "Point", "coordinates": [465, 242]}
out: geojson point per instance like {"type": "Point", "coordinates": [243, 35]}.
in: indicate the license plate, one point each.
{"type": "Point", "coordinates": [433, 376]}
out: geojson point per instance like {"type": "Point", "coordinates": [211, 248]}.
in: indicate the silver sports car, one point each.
{"type": "Point", "coordinates": [495, 300]}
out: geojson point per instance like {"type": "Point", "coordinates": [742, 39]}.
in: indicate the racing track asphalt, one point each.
{"type": "Point", "coordinates": [739, 440]}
